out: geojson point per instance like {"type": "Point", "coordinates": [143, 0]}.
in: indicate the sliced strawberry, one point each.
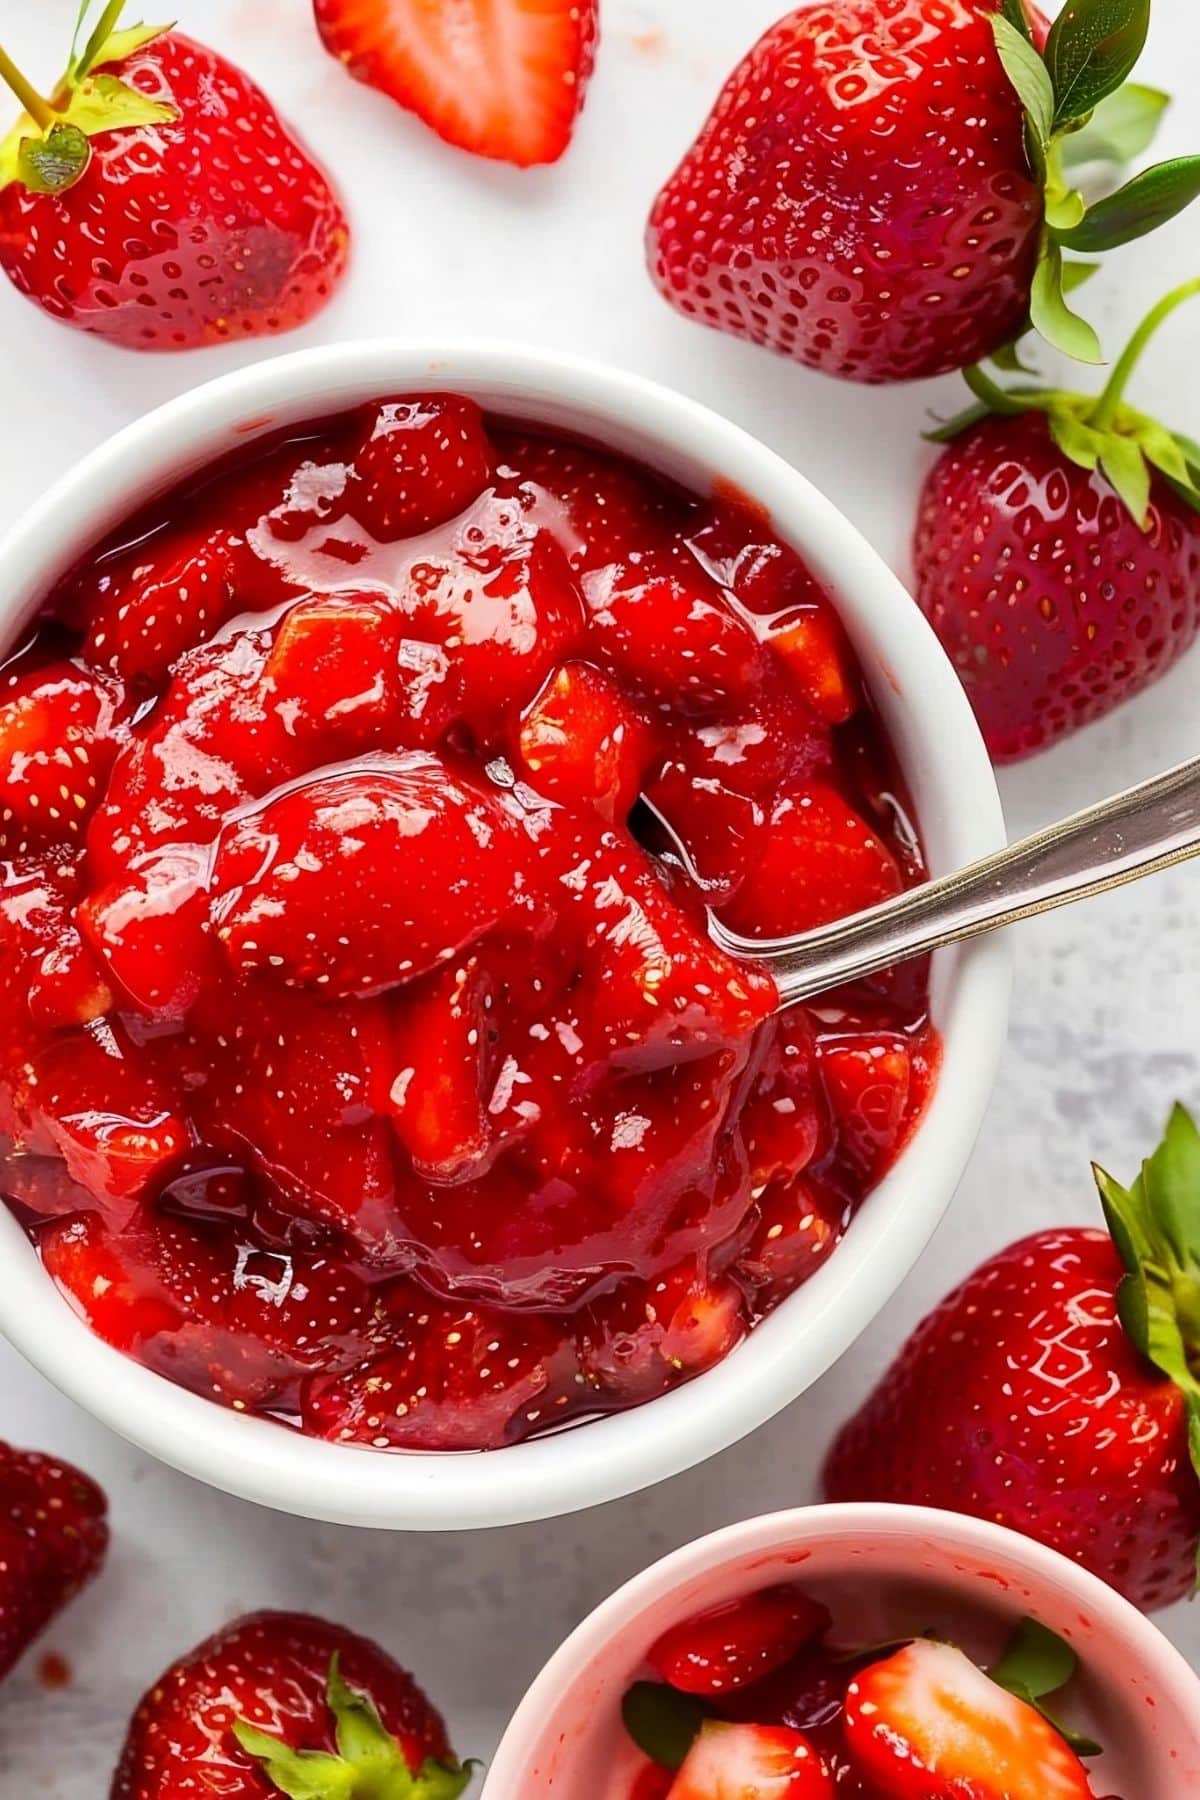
{"type": "Point", "coordinates": [815, 649]}
{"type": "Point", "coordinates": [143, 612]}
{"type": "Point", "coordinates": [502, 78]}
{"type": "Point", "coordinates": [584, 744]}
{"type": "Point", "coordinates": [357, 881]}
{"type": "Point", "coordinates": [727, 1649]}
{"type": "Point", "coordinates": [333, 675]}
{"type": "Point", "coordinates": [820, 862]}
{"type": "Point", "coordinates": [868, 1079]}
{"type": "Point", "coordinates": [451, 1377]}
{"type": "Point", "coordinates": [927, 1721]}
{"type": "Point", "coordinates": [150, 932]}
{"type": "Point", "coordinates": [670, 633]}
{"type": "Point", "coordinates": [420, 463]}
{"type": "Point", "coordinates": [95, 1099]}
{"type": "Point", "coordinates": [446, 1063]}
{"type": "Point", "coordinates": [752, 1762]}
{"type": "Point", "coordinates": [211, 1312]}
{"type": "Point", "coordinates": [45, 967]}
{"type": "Point", "coordinates": [57, 743]}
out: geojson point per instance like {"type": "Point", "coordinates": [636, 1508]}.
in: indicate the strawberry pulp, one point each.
{"type": "Point", "coordinates": [365, 1057]}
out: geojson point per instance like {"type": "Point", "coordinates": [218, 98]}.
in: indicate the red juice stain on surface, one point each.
{"type": "Point", "coordinates": [365, 1057]}
{"type": "Point", "coordinates": [54, 1671]}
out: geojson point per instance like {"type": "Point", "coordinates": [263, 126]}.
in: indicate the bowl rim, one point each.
{"type": "Point", "coordinates": [871, 1521]}
{"type": "Point", "coordinates": [257, 1459]}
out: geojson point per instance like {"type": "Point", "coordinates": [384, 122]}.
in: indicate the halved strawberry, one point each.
{"type": "Point", "coordinates": [502, 78]}
{"type": "Point", "coordinates": [927, 1721]}
{"type": "Point", "coordinates": [210, 1311]}
{"type": "Point", "coordinates": [584, 744]}
{"type": "Point", "coordinates": [450, 1377]}
{"type": "Point", "coordinates": [420, 463]}
{"type": "Point", "coordinates": [729, 1648]}
{"type": "Point", "coordinates": [57, 743]}
{"type": "Point", "coordinates": [820, 862]}
{"type": "Point", "coordinates": [753, 1762]}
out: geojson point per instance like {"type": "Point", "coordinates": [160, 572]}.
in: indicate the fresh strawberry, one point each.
{"type": "Point", "coordinates": [583, 744]}
{"type": "Point", "coordinates": [285, 1703]}
{"type": "Point", "coordinates": [786, 224]}
{"type": "Point", "coordinates": [740, 1643]}
{"type": "Point", "coordinates": [1058, 553]}
{"type": "Point", "coordinates": [360, 880]}
{"type": "Point", "coordinates": [752, 1762]}
{"type": "Point", "coordinates": [159, 201]}
{"type": "Point", "coordinates": [926, 1721]}
{"type": "Point", "coordinates": [449, 1377]}
{"type": "Point", "coordinates": [502, 78]}
{"type": "Point", "coordinates": [57, 743]}
{"type": "Point", "coordinates": [819, 862]}
{"type": "Point", "coordinates": [53, 1540]}
{"type": "Point", "coordinates": [1052, 1391]}
{"type": "Point", "coordinates": [215, 1314]}
{"type": "Point", "coordinates": [420, 463]}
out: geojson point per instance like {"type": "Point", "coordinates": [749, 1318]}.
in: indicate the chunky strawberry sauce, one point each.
{"type": "Point", "coordinates": [364, 1055]}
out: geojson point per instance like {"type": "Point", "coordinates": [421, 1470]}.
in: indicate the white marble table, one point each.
{"type": "Point", "coordinates": [1106, 1026]}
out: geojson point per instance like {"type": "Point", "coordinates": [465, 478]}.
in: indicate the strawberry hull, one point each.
{"type": "Point", "coordinates": [365, 914]}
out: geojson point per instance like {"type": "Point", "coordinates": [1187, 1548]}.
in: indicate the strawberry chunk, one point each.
{"type": "Point", "coordinates": [820, 862]}
{"type": "Point", "coordinates": [333, 674]}
{"type": "Point", "coordinates": [799, 1225]}
{"type": "Point", "coordinates": [671, 634]}
{"type": "Point", "coordinates": [597, 505]}
{"type": "Point", "coordinates": [143, 612]}
{"type": "Point", "coordinates": [451, 1377]}
{"type": "Point", "coordinates": [419, 464]}
{"type": "Point", "coordinates": [584, 744]}
{"type": "Point", "coordinates": [752, 1762]}
{"type": "Point", "coordinates": [868, 1080]}
{"type": "Point", "coordinates": [356, 882]}
{"type": "Point", "coordinates": [785, 1125]}
{"type": "Point", "coordinates": [46, 969]}
{"type": "Point", "coordinates": [446, 1063]}
{"type": "Point", "coordinates": [635, 1342]}
{"type": "Point", "coordinates": [57, 742]}
{"type": "Point", "coordinates": [729, 1648]}
{"type": "Point", "coordinates": [150, 932]}
{"type": "Point", "coordinates": [501, 78]}
{"type": "Point", "coordinates": [927, 1720]}
{"type": "Point", "coordinates": [213, 1313]}
{"type": "Point", "coordinates": [814, 648]}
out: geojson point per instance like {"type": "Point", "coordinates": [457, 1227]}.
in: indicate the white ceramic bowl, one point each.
{"type": "Point", "coordinates": [956, 800]}
{"type": "Point", "coordinates": [891, 1569]}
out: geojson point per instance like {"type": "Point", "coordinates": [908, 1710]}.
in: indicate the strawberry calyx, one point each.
{"type": "Point", "coordinates": [49, 147]}
{"type": "Point", "coordinates": [1101, 431]}
{"type": "Point", "coordinates": [368, 1765]}
{"type": "Point", "coordinates": [1155, 1225]}
{"type": "Point", "coordinates": [1036, 1664]}
{"type": "Point", "coordinates": [1081, 109]}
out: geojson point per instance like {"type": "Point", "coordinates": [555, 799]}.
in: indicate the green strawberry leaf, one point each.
{"type": "Point", "coordinates": [1093, 47]}
{"type": "Point", "coordinates": [1122, 462]}
{"type": "Point", "coordinates": [120, 44]}
{"type": "Point", "coordinates": [1122, 127]}
{"type": "Point", "coordinates": [1014, 11]}
{"type": "Point", "coordinates": [1141, 206]}
{"type": "Point", "coordinates": [1038, 1662]}
{"type": "Point", "coordinates": [946, 430]}
{"type": "Point", "coordinates": [47, 165]}
{"type": "Point", "coordinates": [1075, 438]}
{"type": "Point", "coordinates": [105, 43]}
{"type": "Point", "coordinates": [105, 103]}
{"type": "Point", "coordinates": [1027, 73]}
{"type": "Point", "coordinates": [1050, 314]}
{"type": "Point", "coordinates": [662, 1722]}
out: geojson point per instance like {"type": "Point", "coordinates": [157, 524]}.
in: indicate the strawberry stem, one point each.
{"type": "Point", "coordinates": [38, 108]}
{"type": "Point", "coordinates": [100, 36]}
{"type": "Point", "coordinates": [994, 396]}
{"type": "Point", "coordinates": [1108, 404]}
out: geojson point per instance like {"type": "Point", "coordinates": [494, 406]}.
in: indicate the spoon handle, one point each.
{"type": "Point", "coordinates": [1134, 834]}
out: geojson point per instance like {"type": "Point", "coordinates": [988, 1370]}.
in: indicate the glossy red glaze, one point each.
{"type": "Point", "coordinates": [356, 1008]}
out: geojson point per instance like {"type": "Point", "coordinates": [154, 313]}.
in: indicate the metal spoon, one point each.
{"type": "Point", "coordinates": [1134, 834]}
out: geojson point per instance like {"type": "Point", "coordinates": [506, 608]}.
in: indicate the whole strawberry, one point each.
{"type": "Point", "coordinates": [1054, 1391]}
{"type": "Point", "coordinates": [53, 1539]}
{"type": "Point", "coordinates": [1057, 553]}
{"type": "Point", "coordinates": [883, 189]}
{"type": "Point", "coordinates": [158, 200]}
{"type": "Point", "coordinates": [281, 1703]}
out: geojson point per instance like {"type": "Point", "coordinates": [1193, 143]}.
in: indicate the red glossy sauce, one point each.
{"type": "Point", "coordinates": [364, 1055]}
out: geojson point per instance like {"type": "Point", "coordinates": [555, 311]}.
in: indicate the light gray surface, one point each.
{"type": "Point", "coordinates": [1106, 1027]}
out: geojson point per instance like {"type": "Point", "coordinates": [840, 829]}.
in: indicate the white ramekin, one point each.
{"type": "Point", "coordinates": [956, 800]}
{"type": "Point", "coordinates": [1135, 1692]}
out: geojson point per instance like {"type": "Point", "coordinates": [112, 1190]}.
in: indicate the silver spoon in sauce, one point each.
{"type": "Point", "coordinates": [1136, 833]}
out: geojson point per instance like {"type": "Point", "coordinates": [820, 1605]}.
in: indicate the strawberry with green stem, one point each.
{"type": "Point", "coordinates": [1057, 550]}
{"type": "Point", "coordinates": [157, 199]}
